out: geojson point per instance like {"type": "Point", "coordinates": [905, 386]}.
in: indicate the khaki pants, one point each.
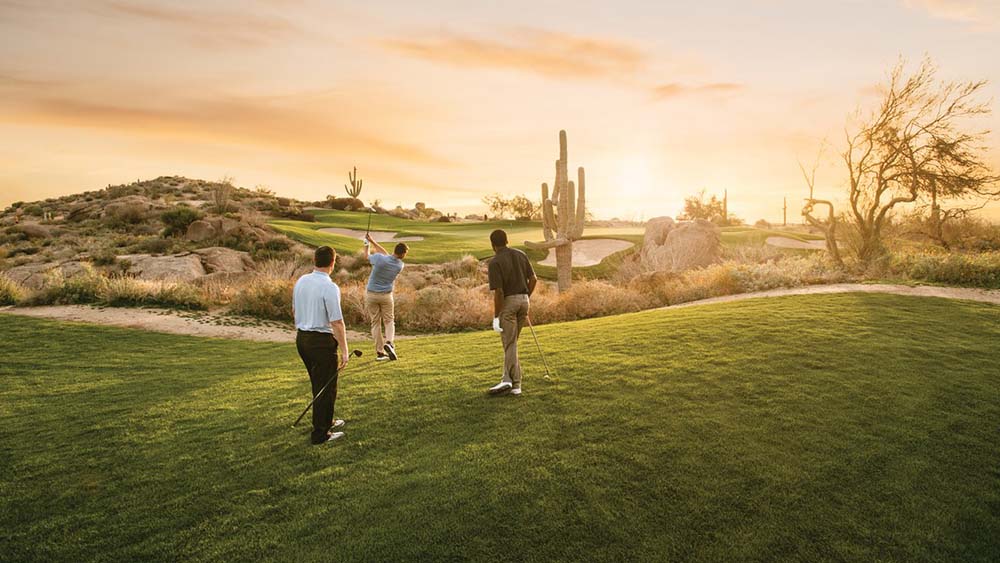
{"type": "Point", "coordinates": [380, 312]}
{"type": "Point", "coordinates": [513, 317]}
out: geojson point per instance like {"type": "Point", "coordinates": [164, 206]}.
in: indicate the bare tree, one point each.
{"type": "Point", "coordinates": [222, 192]}
{"type": "Point", "coordinates": [828, 225]}
{"type": "Point", "coordinates": [913, 147]}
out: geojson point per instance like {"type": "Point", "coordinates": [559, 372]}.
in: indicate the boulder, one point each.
{"type": "Point", "coordinates": [177, 267]}
{"type": "Point", "coordinates": [130, 207]}
{"type": "Point", "coordinates": [223, 225]}
{"type": "Point", "coordinates": [673, 247]}
{"type": "Point", "coordinates": [218, 259]}
{"type": "Point", "coordinates": [200, 230]}
{"type": "Point", "coordinates": [33, 276]}
{"type": "Point", "coordinates": [33, 230]}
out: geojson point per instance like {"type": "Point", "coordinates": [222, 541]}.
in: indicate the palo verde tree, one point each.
{"type": "Point", "coordinates": [915, 146]}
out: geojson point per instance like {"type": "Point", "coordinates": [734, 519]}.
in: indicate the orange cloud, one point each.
{"type": "Point", "coordinates": [548, 53]}
{"type": "Point", "coordinates": [236, 28]}
{"type": "Point", "coordinates": [674, 89]}
{"type": "Point", "coordinates": [296, 124]}
{"type": "Point", "coordinates": [982, 14]}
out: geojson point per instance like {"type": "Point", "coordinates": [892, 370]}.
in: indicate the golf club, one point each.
{"type": "Point", "coordinates": [369, 227]}
{"type": "Point", "coordinates": [355, 353]}
{"type": "Point", "coordinates": [539, 346]}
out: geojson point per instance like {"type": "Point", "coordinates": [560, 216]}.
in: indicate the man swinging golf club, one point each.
{"type": "Point", "coordinates": [512, 280]}
{"type": "Point", "coordinates": [320, 334]}
{"type": "Point", "coordinates": [378, 297]}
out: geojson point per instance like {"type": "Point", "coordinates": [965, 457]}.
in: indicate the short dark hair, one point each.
{"type": "Point", "coordinates": [324, 257]}
{"type": "Point", "coordinates": [401, 249]}
{"type": "Point", "coordinates": [498, 238]}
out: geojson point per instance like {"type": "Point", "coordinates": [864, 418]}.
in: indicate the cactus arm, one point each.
{"type": "Point", "coordinates": [581, 204]}
{"type": "Point", "coordinates": [548, 214]}
{"type": "Point", "coordinates": [570, 210]}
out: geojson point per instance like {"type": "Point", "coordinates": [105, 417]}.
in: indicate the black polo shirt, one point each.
{"type": "Point", "coordinates": [510, 270]}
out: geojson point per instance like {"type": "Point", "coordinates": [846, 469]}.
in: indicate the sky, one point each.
{"type": "Point", "coordinates": [446, 101]}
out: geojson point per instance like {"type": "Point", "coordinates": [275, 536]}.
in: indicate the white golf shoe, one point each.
{"type": "Point", "coordinates": [515, 391]}
{"type": "Point", "coordinates": [501, 387]}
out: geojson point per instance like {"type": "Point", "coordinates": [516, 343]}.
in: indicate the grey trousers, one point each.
{"type": "Point", "coordinates": [513, 317]}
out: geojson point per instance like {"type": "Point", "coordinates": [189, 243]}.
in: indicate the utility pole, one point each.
{"type": "Point", "coordinates": [725, 207]}
{"type": "Point", "coordinates": [784, 213]}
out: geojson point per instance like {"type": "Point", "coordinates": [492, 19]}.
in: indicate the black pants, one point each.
{"type": "Point", "coordinates": [318, 351]}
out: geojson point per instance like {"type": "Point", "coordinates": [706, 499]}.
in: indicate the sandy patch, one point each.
{"type": "Point", "coordinates": [209, 325]}
{"type": "Point", "coordinates": [967, 293]}
{"type": "Point", "coordinates": [590, 252]}
{"type": "Point", "coordinates": [785, 242]}
{"type": "Point", "coordinates": [379, 236]}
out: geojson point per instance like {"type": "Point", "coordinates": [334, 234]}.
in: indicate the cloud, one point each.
{"type": "Point", "coordinates": [547, 53]}
{"type": "Point", "coordinates": [982, 15]}
{"type": "Point", "coordinates": [674, 89]}
{"type": "Point", "coordinates": [299, 124]}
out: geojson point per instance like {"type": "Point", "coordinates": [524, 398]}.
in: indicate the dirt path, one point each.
{"type": "Point", "coordinates": [785, 242]}
{"type": "Point", "coordinates": [211, 325]}
{"type": "Point", "coordinates": [214, 325]}
{"type": "Point", "coordinates": [971, 294]}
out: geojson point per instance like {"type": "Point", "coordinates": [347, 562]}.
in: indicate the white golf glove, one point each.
{"type": "Point", "coordinates": [496, 324]}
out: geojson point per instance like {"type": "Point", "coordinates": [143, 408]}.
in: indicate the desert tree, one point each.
{"type": "Point", "coordinates": [827, 225]}
{"type": "Point", "coordinates": [914, 146]}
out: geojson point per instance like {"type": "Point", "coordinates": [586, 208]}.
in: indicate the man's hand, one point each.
{"type": "Point", "coordinates": [343, 359]}
{"type": "Point", "coordinates": [496, 324]}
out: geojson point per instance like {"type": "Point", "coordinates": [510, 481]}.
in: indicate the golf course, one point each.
{"type": "Point", "coordinates": [825, 427]}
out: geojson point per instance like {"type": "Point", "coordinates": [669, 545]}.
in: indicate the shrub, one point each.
{"type": "Point", "coordinates": [179, 219]}
{"type": "Point", "coordinates": [266, 299]}
{"type": "Point", "coordinates": [104, 257]}
{"type": "Point", "coordinates": [975, 270]}
{"type": "Point", "coordinates": [154, 245]}
{"type": "Point", "coordinates": [86, 287]}
{"type": "Point", "coordinates": [11, 292]}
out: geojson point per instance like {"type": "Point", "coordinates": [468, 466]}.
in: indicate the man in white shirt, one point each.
{"type": "Point", "coordinates": [320, 333]}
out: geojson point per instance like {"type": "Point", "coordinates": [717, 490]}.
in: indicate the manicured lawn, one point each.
{"type": "Point", "coordinates": [839, 427]}
{"type": "Point", "coordinates": [442, 241]}
{"type": "Point", "coordinates": [744, 235]}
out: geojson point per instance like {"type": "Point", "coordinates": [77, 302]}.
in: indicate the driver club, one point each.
{"type": "Point", "coordinates": [356, 354]}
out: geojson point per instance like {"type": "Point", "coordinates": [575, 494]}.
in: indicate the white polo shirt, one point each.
{"type": "Point", "coordinates": [316, 300]}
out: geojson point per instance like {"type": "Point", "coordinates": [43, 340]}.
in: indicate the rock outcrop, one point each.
{"type": "Point", "coordinates": [674, 247]}
{"type": "Point", "coordinates": [178, 267]}
{"type": "Point", "coordinates": [218, 259]}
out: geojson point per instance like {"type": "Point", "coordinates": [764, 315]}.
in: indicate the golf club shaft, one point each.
{"type": "Point", "coordinates": [539, 346]}
{"type": "Point", "coordinates": [356, 353]}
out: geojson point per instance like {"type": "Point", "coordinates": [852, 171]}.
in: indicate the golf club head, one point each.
{"type": "Point", "coordinates": [357, 353]}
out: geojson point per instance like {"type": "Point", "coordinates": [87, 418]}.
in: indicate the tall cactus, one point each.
{"type": "Point", "coordinates": [563, 216]}
{"type": "Point", "coordinates": [355, 189]}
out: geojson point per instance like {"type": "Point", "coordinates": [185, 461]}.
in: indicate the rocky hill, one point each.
{"type": "Point", "coordinates": [169, 228]}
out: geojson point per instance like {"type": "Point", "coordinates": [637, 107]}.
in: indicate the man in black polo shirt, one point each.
{"type": "Point", "coordinates": [512, 280]}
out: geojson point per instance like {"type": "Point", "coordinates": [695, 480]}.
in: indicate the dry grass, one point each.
{"type": "Point", "coordinates": [11, 293]}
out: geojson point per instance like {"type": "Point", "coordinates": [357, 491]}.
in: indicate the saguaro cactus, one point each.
{"type": "Point", "coordinates": [355, 189]}
{"type": "Point", "coordinates": [563, 216]}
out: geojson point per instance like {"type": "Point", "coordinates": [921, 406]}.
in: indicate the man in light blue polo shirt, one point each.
{"type": "Point", "coordinates": [320, 333]}
{"type": "Point", "coordinates": [378, 298]}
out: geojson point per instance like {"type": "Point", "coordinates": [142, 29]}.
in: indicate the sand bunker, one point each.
{"type": "Point", "coordinates": [590, 252]}
{"type": "Point", "coordinates": [379, 236]}
{"type": "Point", "coordinates": [785, 242]}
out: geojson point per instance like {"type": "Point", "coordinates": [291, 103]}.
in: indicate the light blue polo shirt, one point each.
{"type": "Point", "coordinates": [385, 268]}
{"type": "Point", "coordinates": [316, 300]}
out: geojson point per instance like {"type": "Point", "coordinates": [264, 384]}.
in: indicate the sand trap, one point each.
{"type": "Point", "coordinates": [379, 236]}
{"type": "Point", "coordinates": [590, 252]}
{"type": "Point", "coordinates": [785, 242]}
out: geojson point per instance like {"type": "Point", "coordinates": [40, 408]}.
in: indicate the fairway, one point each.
{"type": "Point", "coordinates": [441, 241]}
{"type": "Point", "coordinates": [833, 427]}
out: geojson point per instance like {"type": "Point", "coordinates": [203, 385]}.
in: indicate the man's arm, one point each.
{"type": "Point", "coordinates": [340, 335]}
{"type": "Point", "coordinates": [497, 302]}
{"type": "Point", "coordinates": [372, 244]}
{"type": "Point", "coordinates": [532, 282]}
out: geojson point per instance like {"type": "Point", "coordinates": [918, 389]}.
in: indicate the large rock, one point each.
{"type": "Point", "coordinates": [33, 276]}
{"type": "Point", "coordinates": [675, 247]}
{"type": "Point", "coordinates": [200, 230]}
{"type": "Point", "coordinates": [130, 208]}
{"type": "Point", "coordinates": [33, 230]}
{"type": "Point", "coordinates": [224, 225]}
{"type": "Point", "coordinates": [218, 259]}
{"type": "Point", "coordinates": [178, 267]}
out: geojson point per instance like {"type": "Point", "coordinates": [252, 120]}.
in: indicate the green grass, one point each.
{"type": "Point", "coordinates": [442, 241]}
{"type": "Point", "coordinates": [839, 427]}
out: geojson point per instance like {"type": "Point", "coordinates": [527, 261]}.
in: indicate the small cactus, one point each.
{"type": "Point", "coordinates": [563, 216]}
{"type": "Point", "coordinates": [355, 189]}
